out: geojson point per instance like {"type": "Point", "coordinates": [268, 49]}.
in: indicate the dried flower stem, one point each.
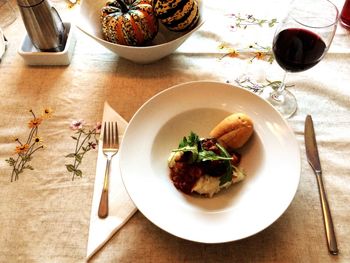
{"type": "Point", "coordinates": [247, 83]}
{"type": "Point", "coordinates": [82, 146]}
{"type": "Point", "coordinates": [246, 21]}
{"type": "Point", "coordinates": [25, 151]}
{"type": "Point", "coordinates": [253, 51]}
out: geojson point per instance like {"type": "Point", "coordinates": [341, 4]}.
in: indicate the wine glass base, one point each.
{"type": "Point", "coordinates": [285, 102]}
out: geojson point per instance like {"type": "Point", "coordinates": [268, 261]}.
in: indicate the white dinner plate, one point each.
{"type": "Point", "coordinates": [271, 160]}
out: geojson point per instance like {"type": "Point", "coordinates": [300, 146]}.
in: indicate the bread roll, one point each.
{"type": "Point", "coordinates": [233, 131]}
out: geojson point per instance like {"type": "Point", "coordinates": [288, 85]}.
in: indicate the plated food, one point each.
{"type": "Point", "coordinates": [207, 165]}
{"type": "Point", "coordinates": [271, 160]}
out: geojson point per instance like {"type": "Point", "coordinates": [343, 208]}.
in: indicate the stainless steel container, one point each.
{"type": "Point", "coordinates": [43, 24]}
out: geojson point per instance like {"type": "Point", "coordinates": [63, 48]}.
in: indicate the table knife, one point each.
{"type": "Point", "coordinates": [314, 161]}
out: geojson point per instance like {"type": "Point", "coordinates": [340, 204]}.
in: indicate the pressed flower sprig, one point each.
{"type": "Point", "coordinates": [86, 139]}
{"type": "Point", "coordinates": [253, 51]}
{"type": "Point", "coordinates": [25, 149]}
{"type": "Point", "coordinates": [244, 21]}
{"type": "Point", "coordinates": [256, 87]}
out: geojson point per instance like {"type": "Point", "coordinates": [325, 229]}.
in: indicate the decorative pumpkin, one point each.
{"type": "Point", "coordinates": [177, 15]}
{"type": "Point", "coordinates": [129, 22]}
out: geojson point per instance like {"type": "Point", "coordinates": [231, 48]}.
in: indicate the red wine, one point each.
{"type": "Point", "coordinates": [298, 49]}
{"type": "Point", "coordinates": [345, 15]}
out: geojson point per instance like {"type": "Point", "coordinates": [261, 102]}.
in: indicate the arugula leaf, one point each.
{"type": "Point", "coordinates": [192, 149]}
{"type": "Point", "coordinates": [207, 156]}
{"type": "Point", "coordinates": [189, 144]}
{"type": "Point", "coordinates": [229, 169]}
{"type": "Point", "coordinates": [191, 140]}
{"type": "Point", "coordinates": [204, 155]}
{"type": "Point", "coordinates": [226, 178]}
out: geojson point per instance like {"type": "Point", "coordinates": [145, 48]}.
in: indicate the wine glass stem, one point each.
{"type": "Point", "coordinates": [277, 95]}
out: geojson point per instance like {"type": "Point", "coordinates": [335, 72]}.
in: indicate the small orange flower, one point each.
{"type": "Point", "coordinates": [233, 53]}
{"type": "Point", "coordinates": [259, 55]}
{"type": "Point", "coordinates": [35, 122]}
{"type": "Point", "coordinates": [22, 148]}
{"type": "Point", "coordinates": [47, 113]}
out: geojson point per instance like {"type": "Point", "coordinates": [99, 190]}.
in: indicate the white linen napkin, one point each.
{"type": "Point", "coordinates": [121, 208]}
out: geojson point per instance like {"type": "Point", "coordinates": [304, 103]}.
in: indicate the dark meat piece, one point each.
{"type": "Point", "coordinates": [184, 176]}
{"type": "Point", "coordinates": [214, 168]}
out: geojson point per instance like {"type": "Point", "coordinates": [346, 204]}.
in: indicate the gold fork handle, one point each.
{"type": "Point", "coordinates": [103, 207]}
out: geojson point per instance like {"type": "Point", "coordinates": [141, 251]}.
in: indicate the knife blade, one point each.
{"type": "Point", "coordinates": [314, 161]}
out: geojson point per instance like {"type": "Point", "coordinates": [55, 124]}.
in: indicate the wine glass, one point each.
{"type": "Point", "coordinates": [7, 13]}
{"type": "Point", "coordinates": [300, 42]}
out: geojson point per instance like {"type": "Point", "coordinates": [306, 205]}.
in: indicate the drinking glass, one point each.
{"type": "Point", "coordinates": [301, 40]}
{"type": "Point", "coordinates": [7, 13]}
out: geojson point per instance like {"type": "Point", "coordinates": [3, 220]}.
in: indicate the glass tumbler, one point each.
{"type": "Point", "coordinates": [7, 14]}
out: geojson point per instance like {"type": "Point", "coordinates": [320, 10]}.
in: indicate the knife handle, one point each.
{"type": "Point", "coordinates": [327, 218]}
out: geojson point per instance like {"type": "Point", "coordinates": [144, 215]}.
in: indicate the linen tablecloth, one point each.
{"type": "Point", "coordinates": [45, 214]}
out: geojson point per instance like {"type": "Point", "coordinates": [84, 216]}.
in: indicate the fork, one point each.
{"type": "Point", "coordinates": [110, 148]}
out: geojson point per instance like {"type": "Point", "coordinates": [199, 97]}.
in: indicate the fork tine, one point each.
{"type": "Point", "coordinates": [116, 135]}
{"type": "Point", "coordinates": [112, 134]}
{"type": "Point", "coordinates": [105, 134]}
{"type": "Point", "coordinates": [109, 134]}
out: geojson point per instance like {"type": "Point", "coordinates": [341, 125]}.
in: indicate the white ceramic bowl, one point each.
{"type": "Point", "coordinates": [271, 160]}
{"type": "Point", "coordinates": [165, 43]}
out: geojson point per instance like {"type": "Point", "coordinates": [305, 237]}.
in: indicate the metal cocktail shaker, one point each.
{"type": "Point", "coordinates": [43, 24]}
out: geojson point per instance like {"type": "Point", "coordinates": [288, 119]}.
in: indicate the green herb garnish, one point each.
{"type": "Point", "coordinates": [229, 170]}
{"type": "Point", "coordinates": [189, 144]}
{"type": "Point", "coordinates": [192, 144]}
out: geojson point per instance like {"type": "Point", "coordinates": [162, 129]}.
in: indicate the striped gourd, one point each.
{"type": "Point", "coordinates": [129, 22]}
{"type": "Point", "coordinates": [177, 15]}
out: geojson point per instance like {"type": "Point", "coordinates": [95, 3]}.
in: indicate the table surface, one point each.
{"type": "Point", "coordinates": [45, 215]}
